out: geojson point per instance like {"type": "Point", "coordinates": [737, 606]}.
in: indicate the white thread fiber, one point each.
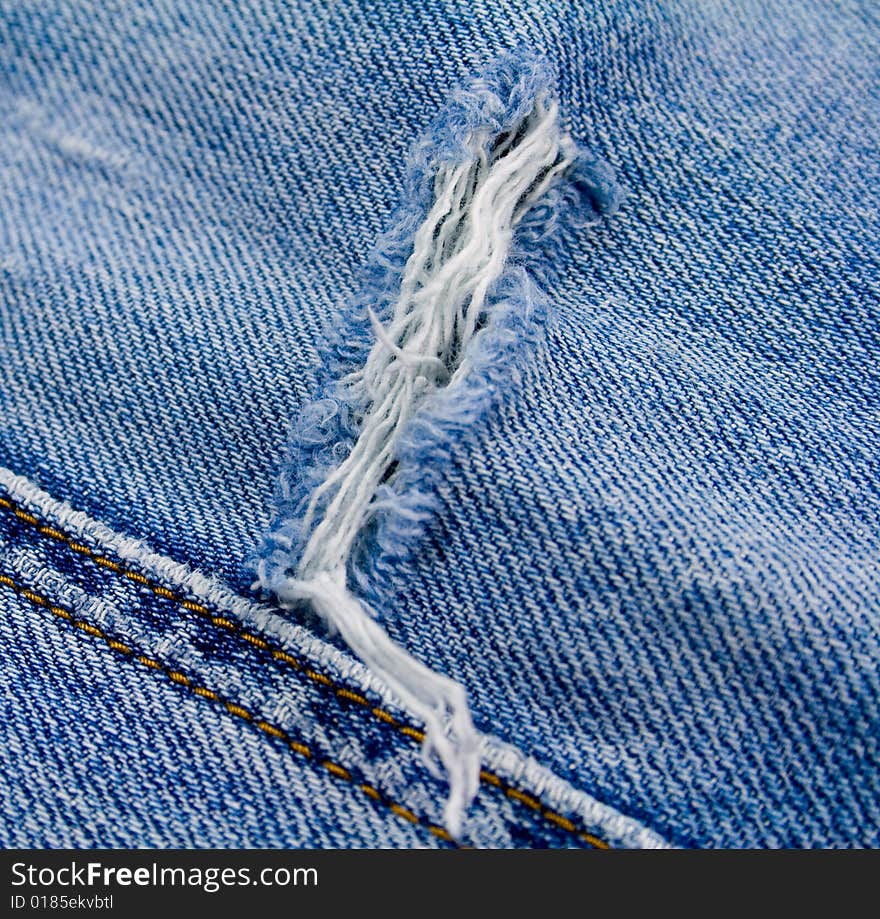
{"type": "Point", "coordinates": [459, 252]}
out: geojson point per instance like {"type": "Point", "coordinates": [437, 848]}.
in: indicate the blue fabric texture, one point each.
{"type": "Point", "coordinates": [145, 705]}
{"type": "Point", "coordinates": [652, 558]}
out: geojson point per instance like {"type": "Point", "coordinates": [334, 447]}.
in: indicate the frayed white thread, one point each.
{"type": "Point", "coordinates": [459, 252]}
{"type": "Point", "coordinates": [435, 700]}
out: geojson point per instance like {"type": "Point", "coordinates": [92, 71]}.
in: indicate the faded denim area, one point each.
{"type": "Point", "coordinates": [654, 565]}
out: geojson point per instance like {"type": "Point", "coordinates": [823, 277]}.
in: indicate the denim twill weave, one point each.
{"type": "Point", "coordinates": [654, 565]}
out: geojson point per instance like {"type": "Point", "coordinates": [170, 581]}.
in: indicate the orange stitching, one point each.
{"type": "Point", "coordinates": [195, 607]}
{"type": "Point", "coordinates": [177, 677]}
{"type": "Point", "coordinates": [565, 824]}
{"type": "Point", "coordinates": [403, 812]}
{"type": "Point", "coordinates": [106, 563]}
{"type": "Point", "coordinates": [280, 655]}
{"type": "Point", "coordinates": [234, 709]}
{"type": "Point", "coordinates": [270, 729]}
{"type": "Point", "coordinates": [317, 677]}
{"type": "Point", "coordinates": [588, 838]}
{"type": "Point", "coordinates": [382, 715]}
{"type": "Point", "coordinates": [487, 777]}
{"type": "Point", "coordinates": [336, 769]}
{"type": "Point", "coordinates": [490, 778]}
{"type": "Point", "coordinates": [352, 696]}
{"type": "Point", "coordinates": [523, 798]}
{"type": "Point", "coordinates": [300, 748]}
{"type": "Point", "coordinates": [256, 642]}
{"type": "Point", "coordinates": [417, 735]}
{"type": "Point", "coordinates": [83, 626]}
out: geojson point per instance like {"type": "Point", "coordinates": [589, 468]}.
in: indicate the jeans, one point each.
{"type": "Point", "coordinates": [648, 553]}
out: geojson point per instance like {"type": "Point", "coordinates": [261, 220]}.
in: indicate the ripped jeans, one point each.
{"type": "Point", "coordinates": [436, 426]}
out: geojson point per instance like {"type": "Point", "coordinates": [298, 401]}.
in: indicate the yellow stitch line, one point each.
{"type": "Point", "coordinates": [222, 622]}
{"type": "Point", "coordinates": [415, 733]}
{"type": "Point", "coordinates": [163, 592]}
{"type": "Point", "coordinates": [523, 798]}
{"type": "Point", "coordinates": [594, 841]}
{"type": "Point", "coordinates": [34, 597]}
{"type": "Point", "coordinates": [337, 770]}
{"type": "Point", "coordinates": [271, 729]}
{"type": "Point", "coordinates": [88, 628]}
{"type": "Point", "coordinates": [149, 662]}
{"type": "Point", "coordinates": [55, 534]}
{"type": "Point", "coordinates": [106, 563]}
{"type": "Point", "coordinates": [181, 678]}
{"type": "Point", "coordinates": [319, 677]}
{"type": "Point", "coordinates": [403, 812]}
{"type": "Point", "coordinates": [559, 820]}
{"type": "Point", "coordinates": [280, 655]}
{"type": "Point", "coordinates": [255, 640]}
{"type": "Point", "coordinates": [194, 607]}
{"type": "Point", "coordinates": [351, 696]}
{"type": "Point", "coordinates": [234, 709]}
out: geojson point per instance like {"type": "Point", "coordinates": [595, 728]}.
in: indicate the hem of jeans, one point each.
{"type": "Point", "coordinates": [523, 771]}
{"type": "Point", "coordinates": [508, 761]}
{"type": "Point", "coordinates": [190, 681]}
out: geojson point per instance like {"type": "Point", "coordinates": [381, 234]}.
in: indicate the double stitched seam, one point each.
{"type": "Point", "coordinates": [133, 654]}
{"type": "Point", "coordinates": [261, 644]}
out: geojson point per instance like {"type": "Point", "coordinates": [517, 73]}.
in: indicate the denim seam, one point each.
{"type": "Point", "coordinates": [133, 654]}
{"type": "Point", "coordinates": [256, 643]}
{"type": "Point", "coordinates": [516, 768]}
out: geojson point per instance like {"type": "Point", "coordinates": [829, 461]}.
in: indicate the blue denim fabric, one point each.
{"type": "Point", "coordinates": [654, 562]}
{"type": "Point", "coordinates": [146, 706]}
